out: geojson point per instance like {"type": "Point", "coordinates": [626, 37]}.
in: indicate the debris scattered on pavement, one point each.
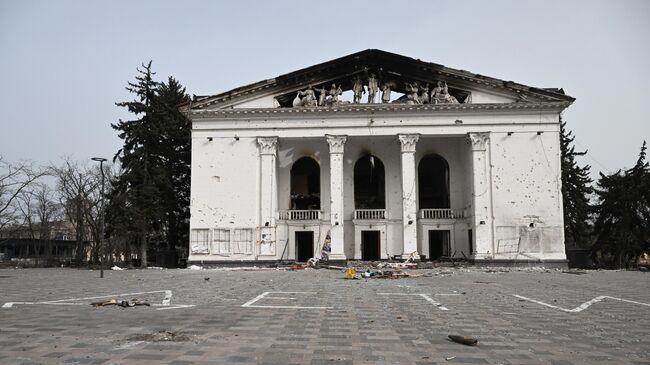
{"type": "Point", "coordinates": [120, 303]}
{"type": "Point", "coordinates": [206, 278]}
{"type": "Point", "coordinates": [450, 358]}
{"type": "Point", "coordinates": [351, 273]}
{"type": "Point", "coordinates": [162, 336]}
{"type": "Point", "coordinates": [116, 268]}
{"type": "Point", "coordinates": [469, 341]}
{"type": "Point", "coordinates": [574, 272]}
{"type": "Point", "coordinates": [195, 267]}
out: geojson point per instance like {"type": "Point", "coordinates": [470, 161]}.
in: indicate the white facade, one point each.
{"type": "Point", "coordinates": [499, 199]}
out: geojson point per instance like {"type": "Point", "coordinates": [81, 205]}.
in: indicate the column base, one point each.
{"type": "Point", "coordinates": [406, 255]}
{"type": "Point", "coordinates": [337, 257]}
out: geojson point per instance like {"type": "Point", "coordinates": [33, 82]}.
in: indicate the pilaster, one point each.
{"type": "Point", "coordinates": [409, 196]}
{"type": "Point", "coordinates": [337, 218]}
{"type": "Point", "coordinates": [481, 196]}
{"type": "Point", "coordinates": [268, 147]}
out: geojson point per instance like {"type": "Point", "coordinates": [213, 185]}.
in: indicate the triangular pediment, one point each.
{"type": "Point", "coordinates": [391, 77]}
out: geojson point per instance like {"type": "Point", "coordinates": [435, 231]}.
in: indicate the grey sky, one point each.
{"type": "Point", "coordinates": [63, 64]}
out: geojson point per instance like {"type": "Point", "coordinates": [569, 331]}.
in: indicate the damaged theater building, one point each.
{"type": "Point", "coordinates": [376, 155]}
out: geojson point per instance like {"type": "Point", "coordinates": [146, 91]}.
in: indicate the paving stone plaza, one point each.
{"type": "Point", "coordinates": [317, 317]}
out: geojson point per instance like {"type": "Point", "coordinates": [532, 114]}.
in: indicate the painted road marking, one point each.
{"type": "Point", "coordinates": [582, 306]}
{"type": "Point", "coordinates": [251, 303]}
{"type": "Point", "coordinates": [165, 304]}
{"type": "Point", "coordinates": [425, 297]}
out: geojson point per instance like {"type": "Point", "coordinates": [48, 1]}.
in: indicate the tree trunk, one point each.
{"type": "Point", "coordinates": [143, 249]}
{"type": "Point", "coordinates": [80, 239]}
{"type": "Point", "coordinates": [127, 251]}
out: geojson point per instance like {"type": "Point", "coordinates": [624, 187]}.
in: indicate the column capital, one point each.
{"type": "Point", "coordinates": [267, 145]}
{"type": "Point", "coordinates": [478, 141]}
{"type": "Point", "coordinates": [408, 141]}
{"type": "Point", "coordinates": [337, 143]}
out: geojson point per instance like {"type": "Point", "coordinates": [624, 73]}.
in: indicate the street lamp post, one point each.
{"type": "Point", "coordinates": [102, 245]}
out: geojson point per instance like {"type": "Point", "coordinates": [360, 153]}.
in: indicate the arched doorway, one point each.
{"type": "Point", "coordinates": [305, 184]}
{"type": "Point", "coordinates": [369, 183]}
{"type": "Point", "coordinates": [433, 183]}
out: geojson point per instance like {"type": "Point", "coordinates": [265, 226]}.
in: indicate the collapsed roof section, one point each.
{"type": "Point", "coordinates": [411, 81]}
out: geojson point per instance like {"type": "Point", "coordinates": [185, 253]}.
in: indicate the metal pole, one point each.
{"type": "Point", "coordinates": [102, 244]}
{"type": "Point", "coordinates": [101, 218]}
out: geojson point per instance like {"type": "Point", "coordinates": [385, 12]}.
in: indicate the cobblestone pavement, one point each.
{"type": "Point", "coordinates": [363, 322]}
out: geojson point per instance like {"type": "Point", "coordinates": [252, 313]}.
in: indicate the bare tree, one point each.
{"type": "Point", "coordinates": [79, 189]}
{"type": "Point", "coordinates": [48, 211]}
{"type": "Point", "coordinates": [25, 204]}
{"type": "Point", "coordinates": [74, 183]}
{"type": "Point", "coordinates": [14, 178]}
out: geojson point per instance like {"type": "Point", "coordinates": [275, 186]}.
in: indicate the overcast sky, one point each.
{"type": "Point", "coordinates": [63, 64]}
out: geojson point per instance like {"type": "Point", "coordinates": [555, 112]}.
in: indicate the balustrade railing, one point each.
{"type": "Point", "coordinates": [441, 214]}
{"type": "Point", "coordinates": [300, 215]}
{"type": "Point", "coordinates": [370, 214]}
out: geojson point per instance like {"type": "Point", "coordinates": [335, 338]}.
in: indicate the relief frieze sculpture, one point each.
{"type": "Point", "coordinates": [414, 93]}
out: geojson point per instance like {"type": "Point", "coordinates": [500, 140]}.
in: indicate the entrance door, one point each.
{"type": "Point", "coordinates": [370, 245]}
{"type": "Point", "coordinates": [438, 244]}
{"type": "Point", "coordinates": [304, 245]}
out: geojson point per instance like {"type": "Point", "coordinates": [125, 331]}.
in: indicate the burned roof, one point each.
{"type": "Point", "coordinates": [384, 63]}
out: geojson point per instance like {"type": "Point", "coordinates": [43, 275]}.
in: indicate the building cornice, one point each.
{"type": "Point", "coordinates": [376, 109]}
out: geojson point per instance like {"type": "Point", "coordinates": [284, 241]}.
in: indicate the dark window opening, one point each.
{"type": "Point", "coordinates": [370, 245]}
{"type": "Point", "coordinates": [433, 183]}
{"type": "Point", "coordinates": [470, 239]}
{"type": "Point", "coordinates": [305, 184]}
{"type": "Point", "coordinates": [369, 183]}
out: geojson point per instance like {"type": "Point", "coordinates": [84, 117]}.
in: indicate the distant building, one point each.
{"type": "Point", "coordinates": [377, 155]}
{"type": "Point", "coordinates": [50, 245]}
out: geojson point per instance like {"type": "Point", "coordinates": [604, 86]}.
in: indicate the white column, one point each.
{"type": "Point", "coordinates": [409, 195]}
{"type": "Point", "coordinates": [481, 202]}
{"type": "Point", "coordinates": [268, 194]}
{"type": "Point", "coordinates": [337, 218]}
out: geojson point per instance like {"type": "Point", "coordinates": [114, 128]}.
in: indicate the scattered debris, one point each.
{"type": "Point", "coordinates": [206, 278]}
{"type": "Point", "coordinates": [469, 341]}
{"type": "Point", "coordinates": [116, 268]}
{"type": "Point", "coordinates": [195, 267]}
{"type": "Point", "coordinates": [450, 358]}
{"type": "Point", "coordinates": [351, 273]}
{"type": "Point", "coordinates": [574, 272]}
{"type": "Point", "coordinates": [121, 303]}
{"type": "Point", "coordinates": [162, 336]}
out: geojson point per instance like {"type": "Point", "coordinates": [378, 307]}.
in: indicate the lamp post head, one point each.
{"type": "Point", "coordinates": [99, 159]}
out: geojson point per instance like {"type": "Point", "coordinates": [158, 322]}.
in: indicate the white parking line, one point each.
{"type": "Point", "coordinates": [424, 296]}
{"type": "Point", "coordinates": [166, 301]}
{"type": "Point", "coordinates": [251, 303]}
{"type": "Point", "coordinates": [582, 306]}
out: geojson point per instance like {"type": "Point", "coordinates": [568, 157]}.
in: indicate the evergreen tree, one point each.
{"type": "Point", "coordinates": [623, 224]}
{"type": "Point", "coordinates": [576, 191]}
{"type": "Point", "coordinates": [174, 148]}
{"type": "Point", "coordinates": [140, 166]}
{"type": "Point", "coordinates": [151, 196]}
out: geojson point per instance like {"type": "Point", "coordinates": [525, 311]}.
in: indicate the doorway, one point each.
{"type": "Point", "coordinates": [370, 245]}
{"type": "Point", "coordinates": [304, 245]}
{"type": "Point", "coordinates": [438, 244]}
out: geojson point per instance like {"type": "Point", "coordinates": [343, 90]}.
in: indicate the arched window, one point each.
{"type": "Point", "coordinates": [369, 183]}
{"type": "Point", "coordinates": [433, 183]}
{"type": "Point", "coordinates": [305, 184]}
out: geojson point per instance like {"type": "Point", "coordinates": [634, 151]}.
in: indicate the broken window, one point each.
{"type": "Point", "coordinates": [221, 241]}
{"type": "Point", "coordinates": [242, 241]}
{"type": "Point", "coordinates": [305, 184]}
{"type": "Point", "coordinates": [433, 183]}
{"type": "Point", "coordinates": [369, 183]}
{"type": "Point", "coordinates": [199, 239]}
